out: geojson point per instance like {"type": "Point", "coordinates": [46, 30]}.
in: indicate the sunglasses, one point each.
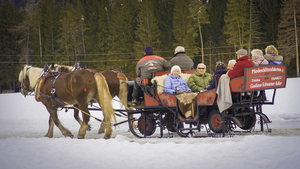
{"type": "Point", "coordinates": [201, 68]}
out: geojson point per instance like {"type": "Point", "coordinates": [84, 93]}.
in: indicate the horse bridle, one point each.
{"type": "Point", "coordinates": [28, 82]}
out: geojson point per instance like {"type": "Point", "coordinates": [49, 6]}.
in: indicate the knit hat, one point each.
{"type": "Point", "coordinates": [242, 52]}
{"type": "Point", "coordinates": [176, 67]}
{"type": "Point", "coordinates": [179, 49]}
{"type": "Point", "coordinates": [148, 50]}
{"type": "Point", "coordinates": [220, 66]}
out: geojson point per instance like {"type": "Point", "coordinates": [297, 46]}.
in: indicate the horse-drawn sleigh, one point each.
{"type": "Point", "coordinates": [158, 109]}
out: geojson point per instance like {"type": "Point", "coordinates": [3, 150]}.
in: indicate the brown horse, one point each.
{"type": "Point", "coordinates": [78, 87]}
{"type": "Point", "coordinates": [116, 81]}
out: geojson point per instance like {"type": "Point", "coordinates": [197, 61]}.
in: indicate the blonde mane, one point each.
{"type": "Point", "coordinates": [58, 67]}
{"type": "Point", "coordinates": [32, 72]}
{"type": "Point", "coordinates": [22, 74]}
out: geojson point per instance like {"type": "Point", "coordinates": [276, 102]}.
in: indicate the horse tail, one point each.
{"type": "Point", "coordinates": [104, 97]}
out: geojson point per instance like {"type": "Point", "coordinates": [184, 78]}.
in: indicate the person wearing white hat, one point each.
{"type": "Point", "coordinates": [174, 84]}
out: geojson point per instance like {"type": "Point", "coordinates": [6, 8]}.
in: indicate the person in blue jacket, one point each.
{"type": "Point", "coordinates": [174, 84]}
{"type": "Point", "coordinates": [272, 56]}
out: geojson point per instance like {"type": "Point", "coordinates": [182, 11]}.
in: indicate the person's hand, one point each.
{"type": "Point", "coordinates": [178, 92]}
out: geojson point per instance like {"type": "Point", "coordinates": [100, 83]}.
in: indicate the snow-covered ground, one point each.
{"type": "Point", "coordinates": [24, 122]}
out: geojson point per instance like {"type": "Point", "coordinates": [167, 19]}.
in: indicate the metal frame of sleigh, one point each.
{"type": "Point", "coordinates": [160, 110]}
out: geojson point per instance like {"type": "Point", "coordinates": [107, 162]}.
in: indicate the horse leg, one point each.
{"type": "Point", "coordinates": [123, 98]}
{"type": "Point", "coordinates": [76, 112]}
{"type": "Point", "coordinates": [102, 127]}
{"type": "Point", "coordinates": [56, 121]}
{"type": "Point", "coordinates": [51, 126]}
{"type": "Point", "coordinates": [86, 119]}
{"type": "Point", "coordinates": [77, 118]}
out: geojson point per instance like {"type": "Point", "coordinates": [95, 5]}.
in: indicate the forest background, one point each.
{"type": "Point", "coordinates": [105, 34]}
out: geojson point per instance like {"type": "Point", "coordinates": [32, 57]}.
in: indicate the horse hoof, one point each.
{"type": "Point", "coordinates": [80, 137]}
{"type": "Point", "coordinates": [89, 128]}
{"type": "Point", "coordinates": [100, 132]}
{"type": "Point", "coordinates": [71, 136]}
{"type": "Point", "coordinates": [107, 136]}
{"type": "Point", "coordinates": [48, 136]}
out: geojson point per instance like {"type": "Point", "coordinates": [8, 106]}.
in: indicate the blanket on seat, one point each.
{"type": "Point", "coordinates": [224, 99]}
{"type": "Point", "coordinates": [186, 98]}
{"type": "Point", "coordinates": [187, 104]}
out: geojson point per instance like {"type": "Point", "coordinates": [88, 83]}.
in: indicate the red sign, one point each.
{"type": "Point", "coordinates": [265, 77]}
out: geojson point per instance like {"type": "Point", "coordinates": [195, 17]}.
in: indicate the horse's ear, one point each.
{"type": "Point", "coordinates": [52, 66]}
{"type": "Point", "coordinates": [22, 67]}
{"type": "Point", "coordinates": [34, 65]}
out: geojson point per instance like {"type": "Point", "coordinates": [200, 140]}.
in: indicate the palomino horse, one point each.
{"type": "Point", "coordinates": [117, 83]}
{"type": "Point", "coordinates": [78, 87]}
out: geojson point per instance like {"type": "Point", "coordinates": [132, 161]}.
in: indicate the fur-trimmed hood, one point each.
{"type": "Point", "coordinates": [271, 57]}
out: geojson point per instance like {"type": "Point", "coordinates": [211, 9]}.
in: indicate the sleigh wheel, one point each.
{"type": "Point", "coordinates": [249, 122]}
{"type": "Point", "coordinates": [147, 124]}
{"type": "Point", "coordinates": [168, 121]}
{"type": "Point", "coordinates": [215, 121]}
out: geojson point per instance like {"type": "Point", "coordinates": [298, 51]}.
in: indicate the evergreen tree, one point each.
{"type": "Point", "coordinates": [50, 29]}
{"type": "Point", "coordinates": [64, 41]}
{"type": "Point", "coordinates": [259, 35]}
{"type": "Point", "coordinates": [214, 40]}
{"type": "Point", "coordinates": [147, 33]}
{"type": "Point", "coordinates": [23, 32]}
{"type": "Point", "coordinates": [9, 51]}
{"type": "Point", "coordinates": [200, 17]}
{"type": "Point", "coordinates": [237, 24]}
{"type": "Point", "coordinates": [97, 16]}
{"type": "Point", "coordinates": [183, 27]}
{"type": "Point", "coordinates": [120, 36]}
{"type": "Point", "coordinates": [81, 26]}
{"type": "Point", "coordinates": [286, 33]}
{"type": "Point", "coordinates": [163, 11]}
{"type": "Point", "coordinates": [116, 36]}
{"type": "Point", "coordinates": [270, 19]}
{"type": "Point", "coordinates": [37, 22]}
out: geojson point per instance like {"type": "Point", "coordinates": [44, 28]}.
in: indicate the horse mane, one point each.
{"type": "Point", "coordinates": [23, 72]}
{"type": "Point", "coordinates": [34, 74]}
{"type": "Point", "coordinates": [62, 68]}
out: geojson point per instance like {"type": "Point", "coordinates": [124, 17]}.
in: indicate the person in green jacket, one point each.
{"type": "Point", "coordinates": [199, 80]}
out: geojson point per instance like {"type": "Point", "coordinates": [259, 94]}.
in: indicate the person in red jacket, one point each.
{"type": "Point", "coordinates": [243, 61]}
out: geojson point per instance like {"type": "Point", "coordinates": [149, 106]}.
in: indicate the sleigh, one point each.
{"type": "Point", "coordinates": [160, 110]}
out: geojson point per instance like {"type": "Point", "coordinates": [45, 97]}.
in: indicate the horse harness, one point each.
{"type": "Point", "coordinates": [45, 74]}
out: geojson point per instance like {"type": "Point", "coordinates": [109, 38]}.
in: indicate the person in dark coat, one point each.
{"type": "Point", "coordinates": [243, 61]}
{"type": "Point", "coordinates": [220, 70]}
{"type": "Point", "coordinates": [181, 59]}
{"type": "Point", "coordinates": [145, 68]}
{"type": "Point", "coordinates": [272, 56]}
